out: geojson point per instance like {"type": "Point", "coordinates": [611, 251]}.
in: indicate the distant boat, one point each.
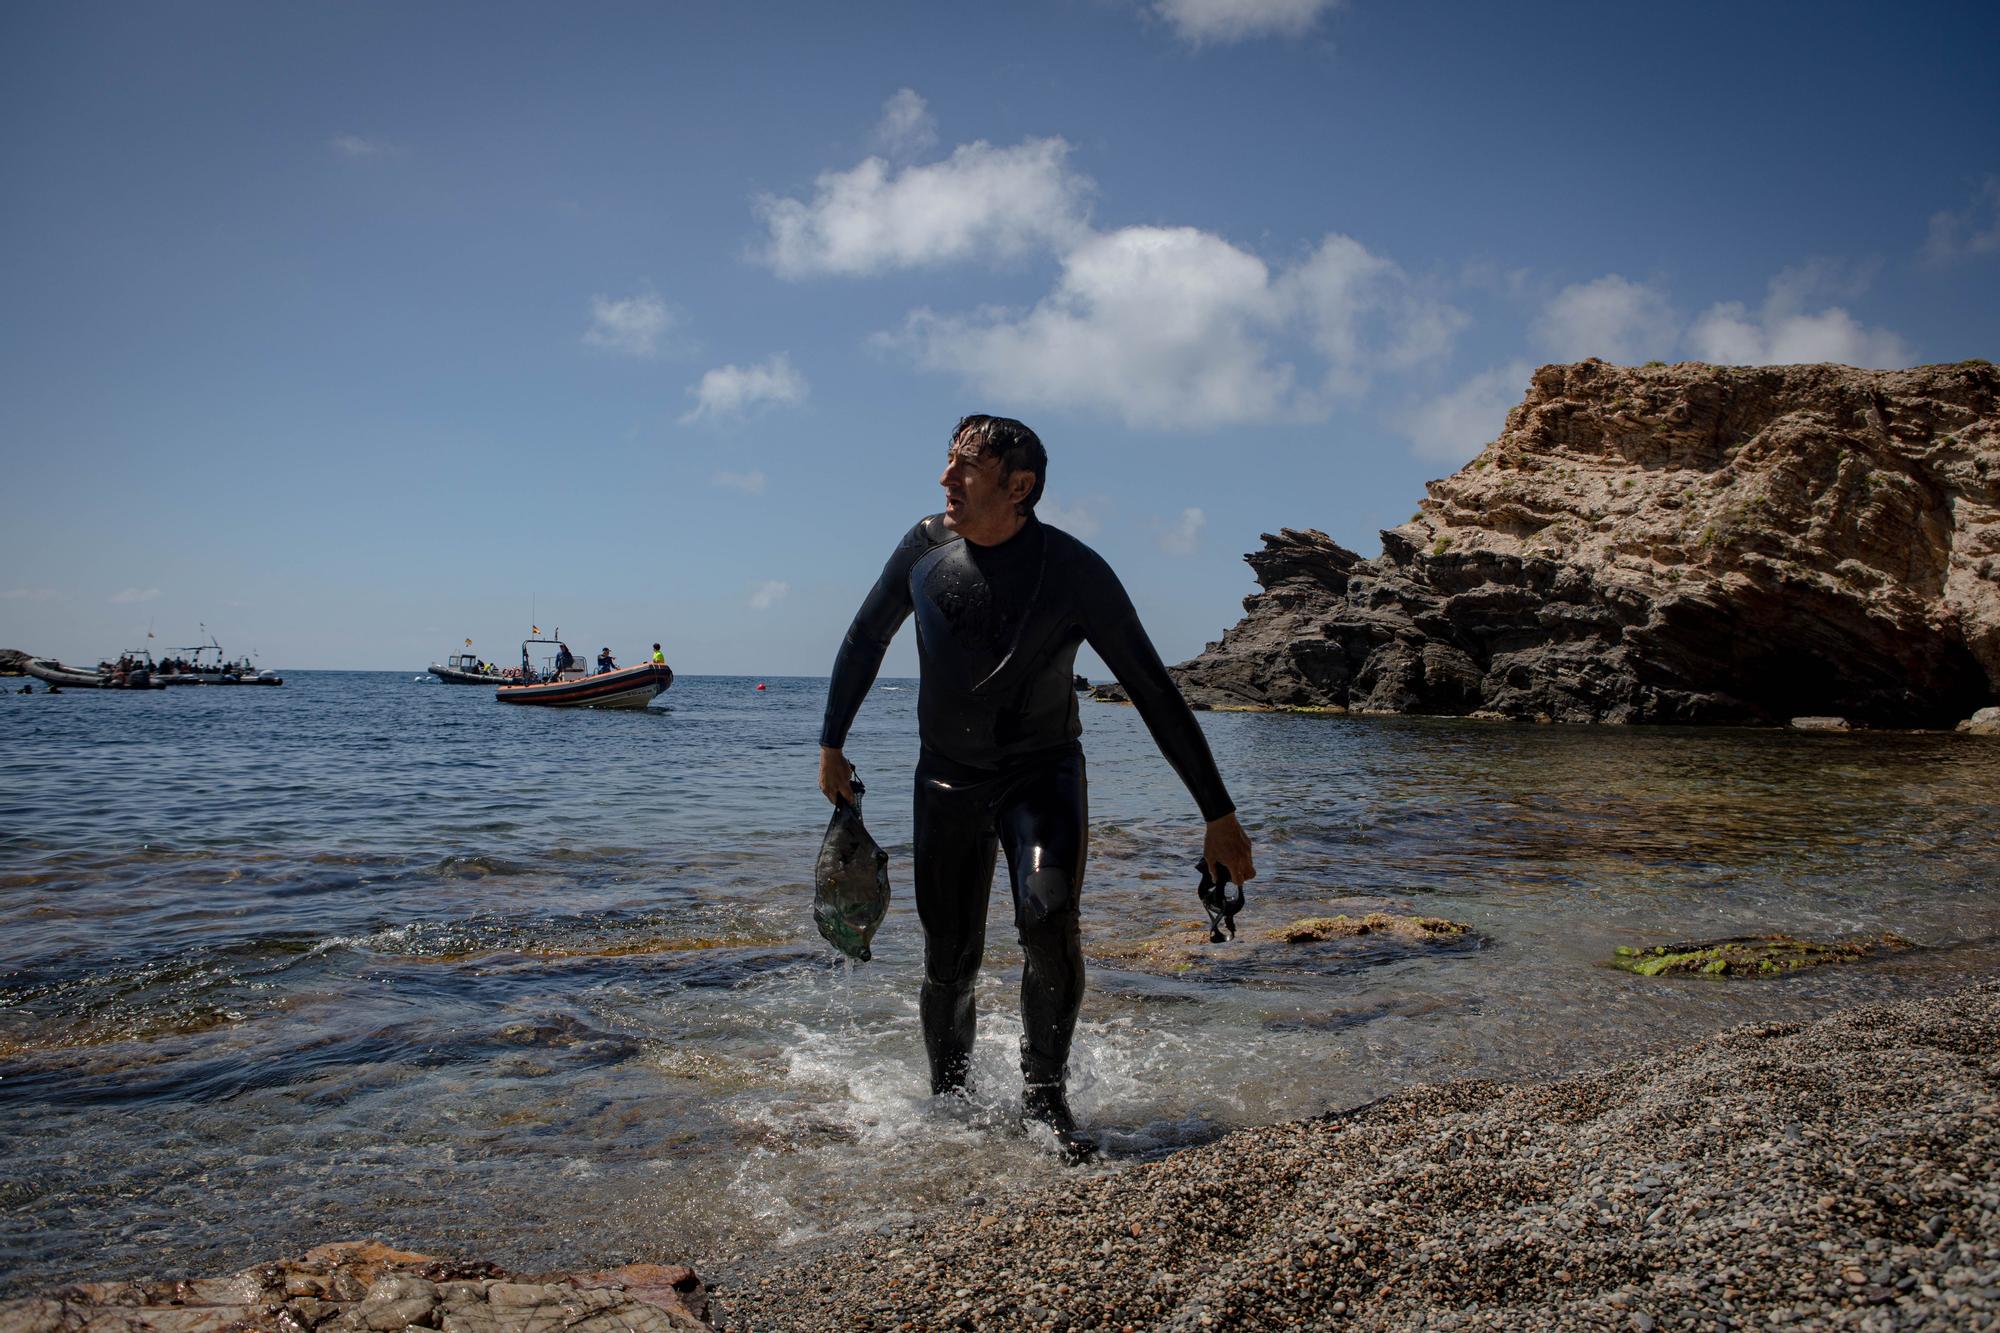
{"type": "Point", "coordinates": [101, 678]}
{"type": "Point", "coordinates": [568, 686]}
{"type": "Point", "coordinates": [208, 665]}
{"type": "Point", "coordinates": [469, 669]}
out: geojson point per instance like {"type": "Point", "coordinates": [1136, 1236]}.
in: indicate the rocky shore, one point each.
{"type": "Point", "coordinates": [1688, 543]}
{"type": "Point", "coordinates": [1838, 1174]}
{"type": "Point", "coordinates": [365, 1285]}
{"type": "Point", "coordinates": [1841, 1174]}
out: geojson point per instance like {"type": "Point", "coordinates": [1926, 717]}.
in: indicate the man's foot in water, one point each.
{"type": "Point", "coordinates": [1046, 1104]}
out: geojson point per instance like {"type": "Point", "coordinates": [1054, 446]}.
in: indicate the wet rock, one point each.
{"type": "Point", "coordinates": [367, 1287]}
{"type": "Point", "coordinates": [1411, 929]}
{"type": "Point", "coordinates": [1186, 945]}
{"type": "Point", "coordinates": [1690, 543]}
{"type": "Point", "coordinates": [1749, 955]}
{"type": "Point", "coordinates": [1985, 722]}
{"type": "Point", "coordinates": [1821, 724]}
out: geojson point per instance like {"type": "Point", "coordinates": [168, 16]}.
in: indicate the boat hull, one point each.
{"type": "Point", "coordinates": [627, 687]}
{"type": "Point", "coordinates": [55, 673]}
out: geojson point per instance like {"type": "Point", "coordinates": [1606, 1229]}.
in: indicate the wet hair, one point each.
{"type": "Point", "coordinates": [1017, 447]}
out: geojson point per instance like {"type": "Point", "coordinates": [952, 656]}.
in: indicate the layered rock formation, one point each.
{"type": "Point", "coordinates": [367, 1287]}
{"type": "Point", "coordinates": [1684, 543]}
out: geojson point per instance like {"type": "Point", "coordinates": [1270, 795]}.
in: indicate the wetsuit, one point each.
{"type": "Point", "coordinates": [1001, 770]}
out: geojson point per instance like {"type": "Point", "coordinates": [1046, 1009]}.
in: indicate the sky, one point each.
{"type": "Point", "coordinates": [348, 332]}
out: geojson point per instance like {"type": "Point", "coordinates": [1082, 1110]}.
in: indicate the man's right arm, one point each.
{"type": "Point", "coordinates": [882, 613]}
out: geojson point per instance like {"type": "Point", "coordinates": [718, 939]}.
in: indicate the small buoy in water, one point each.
{"type": "Point", "coordinates": [760, 684]}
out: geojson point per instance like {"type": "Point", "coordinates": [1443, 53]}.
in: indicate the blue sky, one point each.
{"type": "Point", "coordinates": [354, 330]}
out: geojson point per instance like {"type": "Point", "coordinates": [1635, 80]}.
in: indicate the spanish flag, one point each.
{"type": "Point", "coordinates": [534, 629]}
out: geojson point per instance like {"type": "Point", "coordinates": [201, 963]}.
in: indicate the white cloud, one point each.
{"type": "Point", "coordinates": [1453, 427]}
{"type": "Point", "coordinates": [29, 595]}
{"type": "Point", "coordinates": [1618, 320]}
{"type": "Point", "coordinates": [750, 483]}
{"type": "Point", "coordinates": [1180, 535]}
{"type": "Point", "coordinates": [907, 126]}
{"type": "Point", "coordinates": [1784, 332]}
{"type": "Point", "coordinates": [768, 594]}
{"type": "Point", "coordinates": [1079, 519]}
{"type": "Point", "coordinates": [633, 326]}
{"type": "Point", "coordinates": [1363, 312]}
{"type": "Point", "coordinates": [733, 389]}
{"type": "Point", "coordinates": [1203, 21]}
{"type": "Point", "coordinates": [1175, 327]}
{"type": "Point", "coordinates": [356, 147]}
{"type": "Point", "coordinates": [1729, 334]}
{"type": "Point", "coordinates": [981, 202]}
{"type": "Point", "coordinates": [1162, 326]}
{"type": "Point", "coordinates": [1972, 230]}
{"type": "Point", "coordinates": [126, 596]}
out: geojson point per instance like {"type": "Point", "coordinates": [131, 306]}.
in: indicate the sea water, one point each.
{"type": "Point", "coordinates": [371, 956]}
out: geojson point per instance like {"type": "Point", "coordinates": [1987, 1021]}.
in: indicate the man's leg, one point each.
{"type": "Point", "coordinates": [1043, 828]}
{"type": "Point", "coordinates": [954, 856]}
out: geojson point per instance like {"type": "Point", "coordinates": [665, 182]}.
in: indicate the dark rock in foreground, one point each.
{"type": "Point", "coordinates": [1687, 543]}
{"type": "Point", "coordinates": [363, 1285]}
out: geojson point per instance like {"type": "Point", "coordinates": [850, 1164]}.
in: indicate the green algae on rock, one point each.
{"type": "Point", "coordinates": [1749, 955]}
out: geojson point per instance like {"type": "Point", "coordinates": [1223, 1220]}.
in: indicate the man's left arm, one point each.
{"type": "Point", "coordinates": [1111, 626]}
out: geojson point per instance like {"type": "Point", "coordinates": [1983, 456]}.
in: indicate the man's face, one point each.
{"type": "Point", "coordinates": [979, 499]}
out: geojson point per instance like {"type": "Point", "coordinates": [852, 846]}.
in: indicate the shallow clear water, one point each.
{"type": "Point", "coordinates": [368, 955]}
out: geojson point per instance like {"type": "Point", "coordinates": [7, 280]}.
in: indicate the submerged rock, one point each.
{"type": "Point", "coordinates": [360, 1285]}
{"type": "Point", "coordinates": [1689, 543]}
{"type": "Point", "coordinates": [1749, 955]}
{"type": "Point", "coordinates": [1411, 929]}
{"type": "Point", "coordinates": [1185, 946]}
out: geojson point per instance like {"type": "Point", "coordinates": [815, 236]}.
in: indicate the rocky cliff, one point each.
{"type": "Point", "coordinates": [1686, 543]}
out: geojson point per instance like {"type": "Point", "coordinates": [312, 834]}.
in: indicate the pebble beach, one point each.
{"type": "Point", "coordinates": [1840, 1173]}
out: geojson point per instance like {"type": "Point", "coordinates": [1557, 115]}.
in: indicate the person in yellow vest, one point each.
{"type": "Point", "coordinates": [659, 658]}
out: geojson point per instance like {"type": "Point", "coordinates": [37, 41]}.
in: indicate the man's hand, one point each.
{"type": "Point", "coordinates": [1224, 842]}
{"type": "Point", "coordinates": [836, 778]}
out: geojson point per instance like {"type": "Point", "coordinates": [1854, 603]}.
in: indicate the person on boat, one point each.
{"type": "Point", "coordinates": [604, 662]}
{"type": "Point", "coordinates": [659, 658]}
{"type": "Point", "coordinates": [1002, 602]}
{"type": "Point", "coordinates": [565, 659]}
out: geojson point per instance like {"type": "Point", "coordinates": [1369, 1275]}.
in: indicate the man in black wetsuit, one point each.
{"type": "Point", "coordinates": [1002, 602]}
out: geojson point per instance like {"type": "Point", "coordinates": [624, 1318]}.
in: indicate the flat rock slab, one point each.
{"type": "Point", "coordinates": [1750, 955]}
{"type": "Point", "coordinates": [364, 1285]}
{"type": "Point", "coordinates": [1186, 946]}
